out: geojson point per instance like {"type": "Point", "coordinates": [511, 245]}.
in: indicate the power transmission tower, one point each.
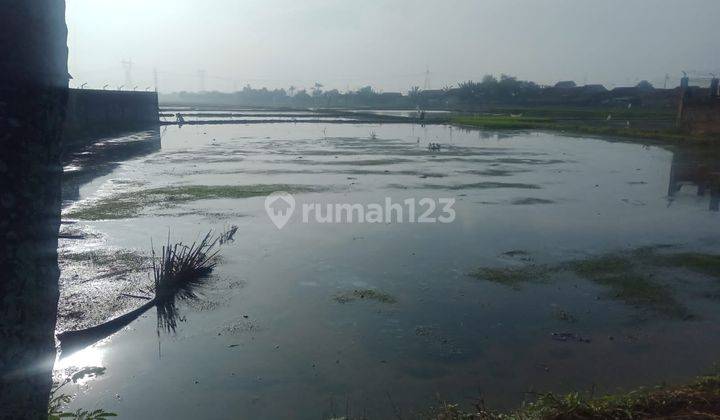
{"type": "Point", "coordinates": [426, 85]}
{"type": "Point", "coordinates": [155, 78]}
{"type": "Point", "coordinates": [127, 66]}
{"type": "Point", "coordinates": [201, 76]}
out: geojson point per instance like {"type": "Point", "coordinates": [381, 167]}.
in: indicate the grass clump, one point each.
{"type": "Point", "coordinates": [204, 192]}
{"type": "Point", "coordinates": [502, 122]}
{"type": "Point", "coordinates": [702, 263]}
{"type": "Point", "coordinates": [511, 276]}
{"type": "Point", "coordinates": [699, 399]}
{"type": "Point", "coordinates": [601, 266]}
{"type": "Point", "coordinates": [620, 274]}
{"type": "Point", "coordinates": [630, 277]}
{"type": "Point", "coordinates": [178, 272]}
{"type": "Point", "coordinates": [130, 204]}
{"type": "Point", "coordinates": [590, 120]}
{"type": "Point", "coordinates": [119, 207]}
{"type": "Point", "coordinates": [636, 289]}
{"type": "Point", "coordinates": [124, 257]}
{"type": "Point", "coordinates": [588, 113]}
{"type": "Point", "coordinates": [530, 201]}
{"type": "Point", "coordinates": [365, 294]}
{"type": "Point", "coordinates": [483, 186]}
{"type": "Point", "coordinates": [359, 162]}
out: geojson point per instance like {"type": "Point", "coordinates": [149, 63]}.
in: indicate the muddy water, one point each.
{"type": "Point", "coordinates": [270, 339]}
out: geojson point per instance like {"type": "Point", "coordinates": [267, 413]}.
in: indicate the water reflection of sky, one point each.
{"type": "Point", "coordinates": [271, 342]}
{"type": "Point", "coordinates": [90, 356]}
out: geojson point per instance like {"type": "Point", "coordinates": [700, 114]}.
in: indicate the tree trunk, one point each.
{"type": "Point", "coordinates": [33, 92]}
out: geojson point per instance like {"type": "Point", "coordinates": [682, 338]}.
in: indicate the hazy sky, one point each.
{"type": "Point", "coordinates": [388, 44]}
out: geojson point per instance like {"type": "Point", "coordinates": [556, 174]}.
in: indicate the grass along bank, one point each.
{"type": "Point", "coordinates": [642, 124]}
{"type": "Point", "coordinates": [699, 399]}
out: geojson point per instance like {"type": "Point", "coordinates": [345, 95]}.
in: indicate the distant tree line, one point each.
{"type": "Point", "coordinates": [490, 91]}
{"type": "Point", "coordinates": [292, 97]}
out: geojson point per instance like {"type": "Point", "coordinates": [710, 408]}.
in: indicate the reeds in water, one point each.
{"type": "Point", "coordinates": [178, 272]}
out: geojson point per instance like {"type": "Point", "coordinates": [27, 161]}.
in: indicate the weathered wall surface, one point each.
{"type": "Point", "coordinates": [700, 112]}
{"type": "Point", "coordinates": [33, 94]}
{"type": "Point", "coordinates": [98, 113]}
{"type": "Point", "coordinates": [703, 118]}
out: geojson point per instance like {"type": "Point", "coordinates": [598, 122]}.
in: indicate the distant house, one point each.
{"type": "Point", "coordinates": [566, 84]}
{"type": "Point", "coordinates": [594, 89]}
{"type": "Point", "coordinates": [645, 85]}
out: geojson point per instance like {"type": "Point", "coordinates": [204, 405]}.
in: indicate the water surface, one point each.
{"type": "Point", "coordinates": [270, 339]}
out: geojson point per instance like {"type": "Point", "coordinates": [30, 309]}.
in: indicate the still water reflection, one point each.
{"type": "Point", "coordinates": [270, 339]}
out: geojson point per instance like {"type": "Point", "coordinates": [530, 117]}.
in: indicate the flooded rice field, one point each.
{"type": "Point", "coordinates": [572, 264]}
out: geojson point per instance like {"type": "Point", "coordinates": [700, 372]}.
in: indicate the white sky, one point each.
{"type": "Point", "coordinates": [388, 44]}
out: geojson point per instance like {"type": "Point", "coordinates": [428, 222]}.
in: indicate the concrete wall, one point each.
{"type": "Point", "coordinates": [703, 118]}
{"type": "Point", "coordinates": [699, 111]}
{"type": "Point", "coordinates": [33, 93]}
{"type": "Point", "coordinates": [99, 113]}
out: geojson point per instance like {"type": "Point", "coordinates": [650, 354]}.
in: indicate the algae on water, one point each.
{"type": "Point", "coordinates": [365, 294]}
{"type": "Point", "coordinates": [130, 204]}
{"type": "Point", "coordinates": [634, 277]}
{"type": "Point", "coordinates": [512, 276]}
